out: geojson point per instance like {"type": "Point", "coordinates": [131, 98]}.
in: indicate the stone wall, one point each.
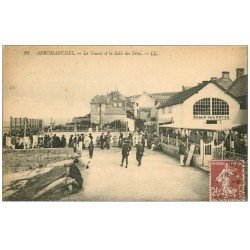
{"type": "Point", "coordinates": [23, 159]}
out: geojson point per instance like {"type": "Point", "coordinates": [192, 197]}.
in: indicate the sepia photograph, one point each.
{"type": "Point", "coordinates": [125, 123]}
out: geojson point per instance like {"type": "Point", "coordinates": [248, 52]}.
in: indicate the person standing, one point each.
{"type": "Point", "coordinates": [4, 139]}
{"type": "Point", "coordinates": [102, 139]}
{"type": "Point", "coordinates": [143, 140]}
{"type": "Point", "coordinates": [63, 141]}
{"type": "Point", "coordinates": [91, 149]}
{"type": "Point", "coordinates": [75, 144]}
{"type": "Point", "coordinates": [71, 141]}
{"type": "Point", "coordinates": [108, 140]}
{"type": "Point", "coordinates": [53, 141]}
{"type": "Point", "coordinates": [139, 152]}
{"type": "Point", "coordinates": [125, 152]}
{"type": "Point", "coordinates": [79, 143]}
{"type": "Point", "coordinates": [182, 152]}
{"type": "Point", "coordinates": [83, 141]}
{"type": "Point", "coordinates": [120, 139]}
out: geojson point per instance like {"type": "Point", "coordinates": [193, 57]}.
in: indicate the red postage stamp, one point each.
{"type": "Point", "coordinates": [227, 180]}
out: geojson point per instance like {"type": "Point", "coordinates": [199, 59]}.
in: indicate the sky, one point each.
{"type": "Point", "coordinates": [61, 86]}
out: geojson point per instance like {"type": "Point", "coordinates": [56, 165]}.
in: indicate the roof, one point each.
{"type": "Point", "coordinates": [99, 99]}
{"type": "Point", "coordinates": [155, 95]}
{"type": "Point", "coordinates": [225, 83]}
{"type": "Point", "coordinates": [115, 111]}
{"type": "Point", "coordinates": [239, 88]}
{"type": "Point", "coordinates": [211, 127]}
{"type": "Point", "coordinates": [184, 95]}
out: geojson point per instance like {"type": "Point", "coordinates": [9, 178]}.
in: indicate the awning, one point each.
{"type": "Point", "coordinates": [211, 127]}
{"type": "Point", "coordinates": [168, 120]}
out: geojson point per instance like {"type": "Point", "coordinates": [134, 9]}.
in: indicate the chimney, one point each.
{"type": "Point", "coordinates": [225, 74]}
{"type": "Point", "coordinates": [239, 73]}
{"type": "Point", "coordinates": [213, 78]}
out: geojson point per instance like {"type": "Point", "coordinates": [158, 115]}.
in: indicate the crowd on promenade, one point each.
{"type": "Point", "coordinates": [77, 141]}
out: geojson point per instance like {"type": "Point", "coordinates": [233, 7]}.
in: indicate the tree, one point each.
{"type": "Point", "coordinates": [139, 123]}
{"type": "Point", "coordinates": [130, 114]}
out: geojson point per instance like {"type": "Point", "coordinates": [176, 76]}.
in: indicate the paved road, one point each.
{"type": "Point", "coordinates": [160, 178]}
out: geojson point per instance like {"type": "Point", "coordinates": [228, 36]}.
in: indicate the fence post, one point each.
{"type": "Point", "coordinates": [212, 148]}
{"type": "Point", "coordinates": [168, 139]}
{"type": "Point", "coordinates": [222, 150]}
{"type": "Point", "coordinates": [201, 152]}
{"type": "Point", "coordinates": [177, 143]}
{"type": "Point", "coordinates": [187, 142]}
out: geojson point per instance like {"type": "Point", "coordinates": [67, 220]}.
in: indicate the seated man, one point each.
{"type": "Point", "coordinates": [75, 173]}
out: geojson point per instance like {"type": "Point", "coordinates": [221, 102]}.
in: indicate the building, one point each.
{"type": "Point", "coordinates": [82, 119]}
{"type": "Point", "coordinates": [108, 108]}
{"type": "Point", "coordinates": [144, 105]}
{"type": "Point", "coordinates": [113, 114]}
{"type": "Point", "coordinates": [239, 88]}
{"type": "Point", "coordinates": [206, 106]}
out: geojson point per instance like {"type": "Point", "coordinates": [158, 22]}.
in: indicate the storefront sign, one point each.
{"type": "Point", "coordinates": [212, 117]}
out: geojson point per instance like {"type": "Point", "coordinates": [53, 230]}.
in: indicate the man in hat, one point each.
{"type": "Point", "coordinates": [91, 149]}
{"type": "Point", "coordinates": [75, 173]}
{"type": "Point", "coordinates": [102, 139]}
{"type": "Point", "coordinates": [139, 152]}
{"type": "Point", "coordinates": [125, 152]}
{"type": "Point", "coordinates": [182, 152]}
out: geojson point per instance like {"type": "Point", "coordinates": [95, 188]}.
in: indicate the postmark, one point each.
{"type": "Point", "coordinates": [227, 180]}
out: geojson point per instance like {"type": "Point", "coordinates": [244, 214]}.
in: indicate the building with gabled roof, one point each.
{"type": "Point", "coordinates": [207, 106]}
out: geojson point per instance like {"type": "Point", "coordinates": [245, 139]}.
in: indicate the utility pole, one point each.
{"type": "Point", "coordinates": [101, 116]}
{"type": "Point", "coordinates": [126, 123]}
{"type": "Point", "coordinates": [75, 128]}
{"type": "Point", "coordinates": [51, 124]}
{"type": "Point", "coordinates": [24, 127]}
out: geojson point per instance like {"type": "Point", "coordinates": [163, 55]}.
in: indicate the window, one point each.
{"type": "Point", "coordinates": [120, 104]}
{"type": "Point", "coordinates": [211, 106]}
{"type": "Point", "coordinates": [202, 107]}
{"type": "Point", "coordinates": [211, 121]}
{"type": "Point", "coordinates": [115, 104]}
{"type": "Point", "coordinates": [219, 107]}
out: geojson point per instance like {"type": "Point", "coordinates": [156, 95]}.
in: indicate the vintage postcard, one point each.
{"type": "Point", "coordinates": [125, 123]}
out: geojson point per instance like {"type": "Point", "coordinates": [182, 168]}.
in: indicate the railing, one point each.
{"type": "Point", "coordinates": [175, 142]}
{"type": "Point", "coordinates": [227, 155]}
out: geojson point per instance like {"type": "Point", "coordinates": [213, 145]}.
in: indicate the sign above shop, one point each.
{"type": "Point", "coordinates": [211, 117]}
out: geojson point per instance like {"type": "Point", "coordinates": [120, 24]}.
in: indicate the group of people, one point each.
{"type": "Point", "coordinates": [33, 141]}
{"type": "Point", "coordinates": [126, 147]}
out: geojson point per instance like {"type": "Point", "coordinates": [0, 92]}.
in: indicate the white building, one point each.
{"type": "Point", "coordinates": [207, 106]}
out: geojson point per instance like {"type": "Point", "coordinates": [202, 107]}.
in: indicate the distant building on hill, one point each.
{"type": "Point", "coordinates": [108, 108]}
